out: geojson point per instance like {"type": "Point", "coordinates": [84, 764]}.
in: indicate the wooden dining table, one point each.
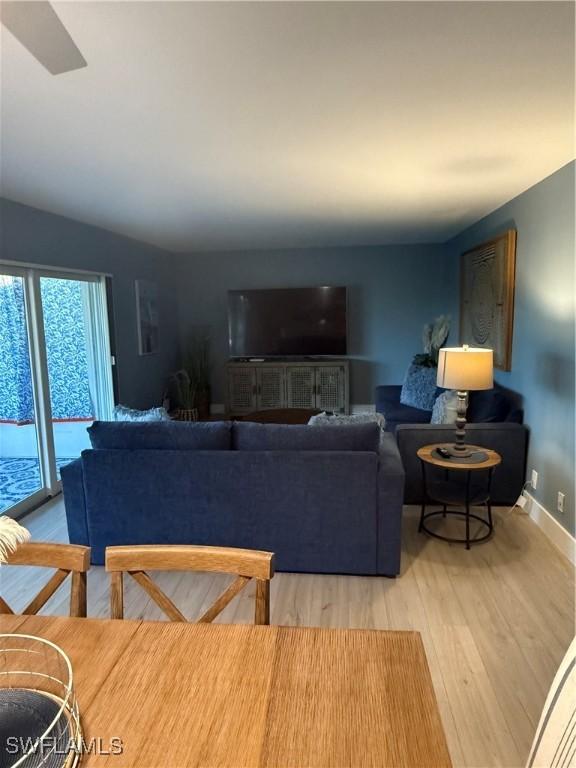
{"type": "Point", "coordinates": [181, 695]}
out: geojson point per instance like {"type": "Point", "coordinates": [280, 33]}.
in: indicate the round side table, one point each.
{"type": "Point", "coordinates": [443, 491]}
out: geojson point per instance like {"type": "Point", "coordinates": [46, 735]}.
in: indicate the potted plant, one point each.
{"type": "Point", "coordinates": [434, 337]}
{"type": "Point", "coordinates": [419, 388]}
{"type": "Point", "coordinates": [191, 384]}
{"type": "Point", "coordinates": [185, 396]}
{"type": "Point", "coordinates": [200, 368]}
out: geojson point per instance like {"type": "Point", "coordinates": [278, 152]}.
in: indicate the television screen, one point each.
{"type": "Point", "coordinates": [285, 322]}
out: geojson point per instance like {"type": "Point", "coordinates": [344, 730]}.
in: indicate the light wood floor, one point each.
{"type": "Point", "coordinates": [495, 621]}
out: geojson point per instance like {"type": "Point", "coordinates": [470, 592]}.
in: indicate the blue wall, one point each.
{"type": "Point", "coordinates": [32, 236]}
{"type": "Point", "coordinates": [393, 292]}
{"type": "Point", "coordinates": [543, 346]}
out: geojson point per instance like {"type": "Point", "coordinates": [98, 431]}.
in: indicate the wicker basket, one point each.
{"type": "Point", "coordinates": [185, 414]}
{"type": "Point", "coordinates": [38, 706]}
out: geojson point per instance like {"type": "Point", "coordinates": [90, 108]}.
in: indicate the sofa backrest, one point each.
{"type": "Point", "coordinates": [161, 435]}
{"type": "Point", "coordinates": [317, 510]}
{"type": "Point", "coordinates": [249, 436]}
{"type": "Point", "coordinates": [494, 406]}
{"type": "Point", "coordinates": [226, 435]}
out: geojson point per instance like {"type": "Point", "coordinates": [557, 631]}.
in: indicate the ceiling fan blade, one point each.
{"type": "Point", "coordinates": [36, 25]}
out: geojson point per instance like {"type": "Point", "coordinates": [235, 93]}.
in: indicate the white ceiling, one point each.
{"type": "Point", "coordinates": [237, 124]}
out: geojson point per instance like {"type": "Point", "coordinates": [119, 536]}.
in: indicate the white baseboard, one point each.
{"type": "Point", "coordinates": [558, 535]}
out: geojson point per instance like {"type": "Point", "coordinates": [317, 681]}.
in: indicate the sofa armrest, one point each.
{"type": "Point", "coordinates": [510, 440]}
{"type": "Point", "coordinates": [75, 502]}
{"type": "Point", "coordinates": [391, 479]}
{"type": "Point", "coordinates": [388, 403]}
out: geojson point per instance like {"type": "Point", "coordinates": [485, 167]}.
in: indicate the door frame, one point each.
{"type": "Point", "coordinates": [31, 275]}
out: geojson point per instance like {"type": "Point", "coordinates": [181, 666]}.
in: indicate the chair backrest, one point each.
{"type": "Point", "coordinates": [246, 564]}
{"type": "Point", "coordinates": [67, 559]}
{"type": "Point", "coordinates": [554, 744]}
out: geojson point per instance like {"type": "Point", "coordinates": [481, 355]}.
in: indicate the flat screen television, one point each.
{"type": "Point", "coordinates": [287, 322]}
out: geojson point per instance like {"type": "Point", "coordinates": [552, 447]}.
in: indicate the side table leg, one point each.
{"type": "Point", "coordinates": [423, 506]}
{"type": "Point", "coordinates": [489, 502]}
{"type": "Point", "coordinates": [468, 509]}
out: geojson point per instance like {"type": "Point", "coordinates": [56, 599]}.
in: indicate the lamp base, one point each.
{"type": "Point", "coordinates": [464, 453]}
{"type": "Point", "coordinates": [459, 451]}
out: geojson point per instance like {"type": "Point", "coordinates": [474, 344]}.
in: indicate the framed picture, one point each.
{"type": "Point", "coordinates": [147, 317]}
{"type": "Point", "coordinates": [487, 297]}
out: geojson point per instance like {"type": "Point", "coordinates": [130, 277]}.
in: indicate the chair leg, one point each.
{"type": "Point", "coordinates": [5, 608]}
{"type": "Point", "coordinates": [116, 595]}
{"type": "Point", "coordinates": [78, 606]}
{"type": "Point", "coordinates": [262, 614]}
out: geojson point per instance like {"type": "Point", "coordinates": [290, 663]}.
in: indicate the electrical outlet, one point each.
{"type": "Point", "coordinates": [560, 504]}
{"type": "Point", "coordinates": [534, 480]}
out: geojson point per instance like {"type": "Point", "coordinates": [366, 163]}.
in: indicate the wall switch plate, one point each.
{"type": "Point", "coordinates": [534, 480]}
{"type": "Point", "coordinates": [560, 505]}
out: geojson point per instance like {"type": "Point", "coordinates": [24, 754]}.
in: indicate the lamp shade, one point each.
{"type": "Point", "coordinates": [465, 368]}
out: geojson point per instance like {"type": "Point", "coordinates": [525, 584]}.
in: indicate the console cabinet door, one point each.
{"type": "Point", "coordinates": [242, 389]}
{"type": "Point", "coordinates": [331, 388]}
{"type": "Point", "coordinates": [271, 387]}
{"type": "Point", "coordinates": [300, 386]}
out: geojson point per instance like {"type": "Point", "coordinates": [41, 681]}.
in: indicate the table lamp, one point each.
{"type": "Point", "coordinates": [464, 369]}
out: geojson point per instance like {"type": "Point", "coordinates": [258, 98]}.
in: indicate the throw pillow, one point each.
{"type": "Point", "coordinates": [445, 408]}
{"type": "Point", "coordinates": [419, 388]}
{"type": "Point", "coordinates": [338, 419]}
{"type": "Point", "coordinates": [343, 420]}
{"type": "Point", "coordinates": [123, 413]}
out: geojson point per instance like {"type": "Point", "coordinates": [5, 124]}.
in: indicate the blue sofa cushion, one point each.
{"type": "Point", "coordinates": [419, 389]}
{"type": "Point", "coordinates": [485, 406]}
{"type": "Point", "coordinates": [156, 435]}
{"type": "Point", "coordinates": [404, 414]}
{"type": "Point", "coordinates": [248, 436]}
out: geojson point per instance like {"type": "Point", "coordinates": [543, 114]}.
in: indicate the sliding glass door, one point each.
{"type": "Point", "coordinates": [21, 474]}
{"type": "Point", "coordinates": [78, 361]}
{"type": "Point", "coordinates": [55, 358]}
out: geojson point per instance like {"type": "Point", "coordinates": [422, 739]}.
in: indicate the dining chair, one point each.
{"type": "Point", "coordinates": [554, 744]}
{"type": "Point", "coordinates": [67, 559]}
{"type": "Point", "coordinates": [246, 564]}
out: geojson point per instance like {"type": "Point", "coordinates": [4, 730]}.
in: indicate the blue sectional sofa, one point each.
{"type": "Point", "coordinates": [495, 421]}
{"type": "Point", "coordinates": [497, 405]}
{"type": "Point", "coordinates": [325, 499]}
